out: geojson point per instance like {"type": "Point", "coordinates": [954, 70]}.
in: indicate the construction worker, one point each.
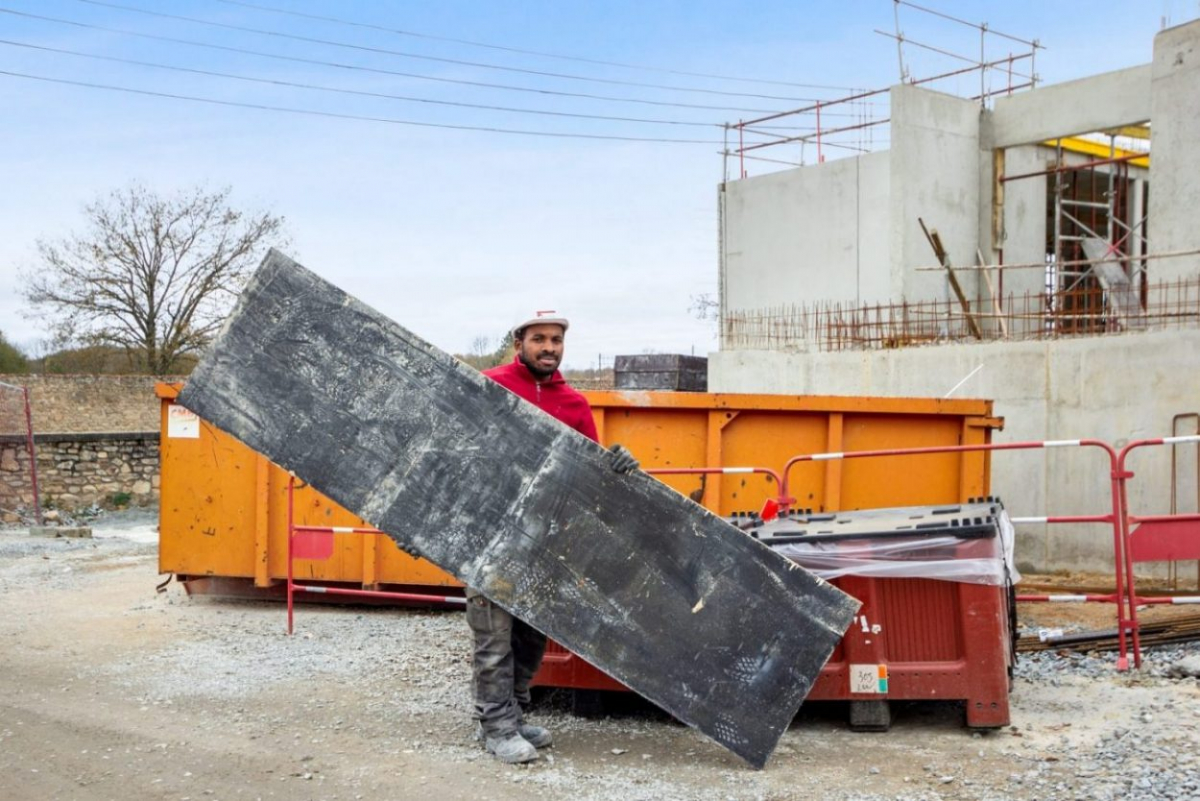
{"type": "Point", "coordinates": [508, 652]}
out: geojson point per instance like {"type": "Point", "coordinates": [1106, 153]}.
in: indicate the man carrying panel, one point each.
{"type": "Point", "coordinates": [508, 651]}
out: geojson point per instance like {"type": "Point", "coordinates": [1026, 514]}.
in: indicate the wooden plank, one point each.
{"type": "Point", "coordinates": [996, 310]}
{"type": "Point", "coordinates": [939, 250]}
{"type": "Point", "coordinates": [648, 586]}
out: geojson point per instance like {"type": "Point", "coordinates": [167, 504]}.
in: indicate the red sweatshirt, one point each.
{"type": "Point", "coordinates": [554, 396]}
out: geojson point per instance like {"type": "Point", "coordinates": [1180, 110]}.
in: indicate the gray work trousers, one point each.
{"type": "Point", "coordinates": [507, 654]}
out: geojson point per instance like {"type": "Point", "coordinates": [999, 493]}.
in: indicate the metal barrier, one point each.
{"type": "Point", "coordinates": [1136, 538]}
{"type": "Point", "coordinates": [1126, 615]}
{"type": "Point", "coordinates": [316, 542]}
{"type": "Point", "coordinates": [780, 502]}
{"type": "Point", "coordinates": [1154, 538]}
{"type": "Point", "coordinates": [30, 450]}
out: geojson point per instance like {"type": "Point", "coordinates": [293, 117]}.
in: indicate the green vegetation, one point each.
{"type": "Point", "coordinates": [102, 359]}
{"type": "Point", "coordinates": [11, 359]}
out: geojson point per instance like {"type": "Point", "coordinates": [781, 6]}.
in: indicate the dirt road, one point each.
{"type": "Point", "coordinates": [111, 691]}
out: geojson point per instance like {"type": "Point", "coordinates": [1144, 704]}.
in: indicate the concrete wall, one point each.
{"type": "Point", "coordinates": [1095, 103]}
{"type": "Point", "coordinates": [1175, 142]}
{"type": "Point", "coordinates": [848, 230]}
{"type": "Point", "coordinates": [814, 234]}
{"type": "Point", "coordinates": [789, 233]}
{"type": "Point", "coordinates": [1113, 388]}
{"type": "Point", "coordinates": [934, 176]}
{"type": "Point", "coordinates": [1024, 228]}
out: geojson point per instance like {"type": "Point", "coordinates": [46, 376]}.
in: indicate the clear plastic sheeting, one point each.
{"type": "Point", "coordinates": [913, 554]}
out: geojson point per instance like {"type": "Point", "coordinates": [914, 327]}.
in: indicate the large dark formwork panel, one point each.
{"type": "Point", "coordinates": [645, 584]}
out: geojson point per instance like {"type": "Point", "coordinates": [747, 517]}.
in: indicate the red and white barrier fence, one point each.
{"type": "Point", "coordinates": [1126, 615]}
{"type": "Point", "coordinates": [1136, 538]}
{"type": "Point", "coordinates": [316, 542]}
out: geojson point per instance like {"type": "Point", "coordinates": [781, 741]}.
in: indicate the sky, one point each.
{"type": "Point", "coordinates": [454, 233]}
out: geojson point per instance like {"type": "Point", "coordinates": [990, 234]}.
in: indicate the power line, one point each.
{"type": "Point", "coordinates": [375, 70]}
{"type": "Point", "coordinates": [521, 51]}
{"type": "Point", "coordinates": [362, 118]}
{"type": "Point", "coordinates": [439, 59]}
{"type": "Point", "coordinates": [381, 95]}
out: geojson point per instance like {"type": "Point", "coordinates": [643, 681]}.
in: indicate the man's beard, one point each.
{"type": "Point", "coordinates": [535, 368]}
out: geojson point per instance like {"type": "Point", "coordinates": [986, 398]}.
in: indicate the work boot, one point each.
{"type": "Point", "coordinates": [511, 748]}
{"type": "Point", "coordinates": [536, 736]}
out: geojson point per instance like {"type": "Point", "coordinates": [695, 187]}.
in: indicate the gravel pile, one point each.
{"type": "Point", "coordinates": [1161, 661]}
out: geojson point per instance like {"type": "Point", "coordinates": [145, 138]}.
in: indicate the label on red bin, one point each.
{"type": "Point", "coordinates": [869, 679]}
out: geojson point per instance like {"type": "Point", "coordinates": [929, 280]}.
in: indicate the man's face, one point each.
{"type": "Point", "coordinates": [541, 349]}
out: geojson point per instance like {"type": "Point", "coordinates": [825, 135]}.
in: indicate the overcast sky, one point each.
{"type": "Point", "coordinates": [458, 233]}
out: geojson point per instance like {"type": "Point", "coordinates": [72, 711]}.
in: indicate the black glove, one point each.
{"type": "Point", "coordinates": [409, 549]}
{"type": "Point", "coordinates": [621, 460]}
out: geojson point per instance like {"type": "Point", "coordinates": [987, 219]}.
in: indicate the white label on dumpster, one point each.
{"type": "Point", "coordinates": [182, 423]}
{"type": "Point", "coordinates": [868, 679]}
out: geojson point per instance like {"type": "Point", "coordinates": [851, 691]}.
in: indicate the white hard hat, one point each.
{"type": "Point", "coordinates": [542, 317]}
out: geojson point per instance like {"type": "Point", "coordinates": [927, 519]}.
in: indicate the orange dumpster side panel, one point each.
{"type": "Point", "coordinates": [208, 500]}
{"type": "Point", "coordinates": [224, 508]}
{"type": "Point", "coordinates": [223, 512]}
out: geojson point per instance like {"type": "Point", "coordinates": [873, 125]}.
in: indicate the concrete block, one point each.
{"type": "Point", "coordinates": [1108, 100]}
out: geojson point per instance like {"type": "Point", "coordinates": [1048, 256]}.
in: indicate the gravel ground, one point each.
{"type": "Point", "coordinates": [109, 690]}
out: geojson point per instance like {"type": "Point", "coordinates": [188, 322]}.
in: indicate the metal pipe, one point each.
{"type": "Point", "coordinates": [1072, 167]}
{"type": "Point", "coordinates": [395, 596]}
{"type": "Point", "coordinates": [1173, 254]}
{"type": "Point", "coordinates": [820, 156]}
{"type": "Point", "coordinates": [782, 499]}
{"type": "Point", "coordinates": [33, 476]}
{"type": "Point", "coordinates": [982, 60]}
{"type": "Point", "coordinates": [817, 135]}
{"type": "Point", "coordinates": [291, 531]}
{"type": "Point", "coordinates": [1068, 599]}
{"type": "Point", "coordinates": [1175, 470]}
{"type": "Point", "coordinates": [741, 149]}
{"type": "Point", "coordinates": [943, 15]}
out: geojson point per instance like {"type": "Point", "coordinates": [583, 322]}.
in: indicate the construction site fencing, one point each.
{"type": "Point", "coordinates": [1126, 616]}
{"type": "Point", "coordinates": [16, 435]}
{"type": "Point", "coordinates": [316, 543]}
{"type": "Point", "coordinates": [1154, 538]}
{"type": "Point", "coordinates": [857, 121]}
{"type": "Point", "coordinates": [1083, 311]}
{"type": "Point", "coordinates": [1136, 538]}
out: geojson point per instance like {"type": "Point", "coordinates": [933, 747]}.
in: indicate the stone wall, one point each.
{"type": "Point", "coordinates": [78, 470]}
{"type": "Point", "coordinates": [96, 438]}
{"type": "Point", "coordinates": [83, 404]}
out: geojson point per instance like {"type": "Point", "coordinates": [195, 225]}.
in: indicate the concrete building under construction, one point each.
{"type": "Point", "coordinates": [1037, 245]}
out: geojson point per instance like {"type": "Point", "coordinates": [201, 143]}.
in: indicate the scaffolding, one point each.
{"type": "Point", "coordinates": [853, 124]}
{"type": "Point", "coordinates": [1097, 245]}
{"type": "Point", "coordinates": [1028, 316]}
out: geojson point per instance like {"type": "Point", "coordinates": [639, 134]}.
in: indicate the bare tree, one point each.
{"type": "Point", "coordinates": [705, 307]}
{"type": "Point", "coordinates": [153, 275]}
{"type": "Point", "coordinates": [481, 346]}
